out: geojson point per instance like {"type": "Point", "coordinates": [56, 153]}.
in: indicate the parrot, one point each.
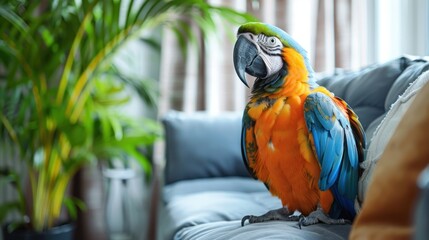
{"type": "Point", "coordinates": [303, 142]}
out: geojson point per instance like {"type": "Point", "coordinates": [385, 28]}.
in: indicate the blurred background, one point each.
{"type": "Point", "coordinates": [159, 57]}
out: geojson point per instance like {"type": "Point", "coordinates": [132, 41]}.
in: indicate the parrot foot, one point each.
{"type": "Point", "coordinates": [319, 216]}
{"type": "Point", "coordinates": [282, 214]}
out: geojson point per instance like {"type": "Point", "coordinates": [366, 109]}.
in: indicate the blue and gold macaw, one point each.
{"type": "Point", "coordinates": [303, 142]}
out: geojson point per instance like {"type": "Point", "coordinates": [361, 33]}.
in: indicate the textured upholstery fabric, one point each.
{"type": "Point", "coordinates": [209, 200]}
{"type": "Point", "coordinates": [201, 145]}
{"type": "Point", "coordinates": [225, 184]}
{"type": "Point", "coordinates": [232, 230]}
{"type": "Point", "coordinates": [212, 208]}
{"type": "Point", "coordinates": [372, 90]}
{"type": "Point", "coordinates": [366, 90]}
{"type": "Point", "coordinates": [388, 209]}
{"type": "Point", "coordinates": [386, 129]}
{"type": "Point", "coordinates": [409, 75]}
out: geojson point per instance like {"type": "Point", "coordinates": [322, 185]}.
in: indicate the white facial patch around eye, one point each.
{"type": "Point", "coordinates": [271, 55]}
{"type": "Point", "coordinates": [273, 42]}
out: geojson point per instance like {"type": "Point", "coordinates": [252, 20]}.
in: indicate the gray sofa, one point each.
{"type": "Point", "coordinates": [207, 189]}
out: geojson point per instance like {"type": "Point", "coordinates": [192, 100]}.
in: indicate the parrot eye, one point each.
{"type": "Point", "coordinates": [273, 41]}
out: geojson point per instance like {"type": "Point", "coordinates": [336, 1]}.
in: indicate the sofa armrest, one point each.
{"type": "Point", "coordinates": [201, 145]}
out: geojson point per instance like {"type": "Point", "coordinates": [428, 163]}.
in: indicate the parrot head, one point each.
{"type": "Point", "coordinates": [258, 52]}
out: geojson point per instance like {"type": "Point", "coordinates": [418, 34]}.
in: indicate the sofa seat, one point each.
{"type": "Point", "coordinates": [267, 230]}
{"type": "Point", "coordinates": [212, 209]}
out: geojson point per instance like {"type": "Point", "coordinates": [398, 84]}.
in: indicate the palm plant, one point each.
{"type": "Point", "coordinates": [58, 84]}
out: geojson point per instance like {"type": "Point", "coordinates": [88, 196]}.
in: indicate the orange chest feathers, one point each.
{"type": "Point", "coordinates": [279, 128]}
{"type": "Point", "coordinates": [281, 154]}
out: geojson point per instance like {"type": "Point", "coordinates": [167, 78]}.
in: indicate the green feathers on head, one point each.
{"type": "Point", "coordinates": [272, 31]}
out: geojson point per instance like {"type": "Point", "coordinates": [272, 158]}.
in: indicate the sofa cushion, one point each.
{"type": "Point", "coordinates": [194, 202]}
{"type": "Point", "coordinates": [370, 130]}
{"type": "Point", "coordinates": [212, 208]}
{"type": "Point", "coordinates": [386, 129]}
{"type": "Point", "coordinates": [387, 210]}
{"type": "Point", "coordinates": [201, 145]}
{"type": "Point", "coordinates": [232, 230]}
{"type": "Point", "coordinates": [409, 75]}
{"type": "Point", "coordinates": [227, 184]}
{"type": "Point", "coordinates": [414, 68]}
{"type": "Point", "coordinates": [366, 90]}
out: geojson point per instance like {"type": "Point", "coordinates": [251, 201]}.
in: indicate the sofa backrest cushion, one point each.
{"type": "Point", "coordinates": [201, 145]}
{"type": "Point", "coordinates": [366, 90]}
{"type": "Point", "coordinates": [386, 129]}
{"type": "Point", "coordinates": [409, 75]}
{"type": "Point", "coordinates": [390, 202]}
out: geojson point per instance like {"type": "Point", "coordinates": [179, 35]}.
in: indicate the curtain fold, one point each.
{"type": "Point", "coordinates": [334, 33]}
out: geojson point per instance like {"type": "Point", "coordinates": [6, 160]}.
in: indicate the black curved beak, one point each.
{"type": "Point", "coordinates": [247, 60]}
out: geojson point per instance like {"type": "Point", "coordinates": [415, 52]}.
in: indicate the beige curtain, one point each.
{"type": "Point", "coordinates": [340, 35]}
{"type": "Point", "coordinates": [330, 30]}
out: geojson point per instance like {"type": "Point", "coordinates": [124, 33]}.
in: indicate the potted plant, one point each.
{"type": "Point", "coordinates": [55, 72]}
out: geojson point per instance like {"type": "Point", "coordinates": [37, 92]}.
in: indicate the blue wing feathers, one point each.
{"type": "Point", "coordinates": [336, 149]}
{"type": "Point", "coordinates": [316, 136]}
{"type": "Point", "coordinates": [324, 112]}
{"type": "Point", "coordinates": [343, 180]}
{"type": "Point", "coordinates": [330, 161]}
{"type": "Point", "coordinates": [341, 205]}
{"type": "Point", "coordinates": [339, 148]}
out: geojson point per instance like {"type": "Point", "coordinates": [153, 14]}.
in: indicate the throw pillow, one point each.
{"type": "Point", "coordinates": [202, 145]}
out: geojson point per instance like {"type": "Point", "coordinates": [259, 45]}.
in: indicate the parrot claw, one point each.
{"type": "Point", "coordinates": [319, 216]}
{"type": "Point", "coordinates": [281, 214]}
{"type": "Point", "coordinates": [247, 217]}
